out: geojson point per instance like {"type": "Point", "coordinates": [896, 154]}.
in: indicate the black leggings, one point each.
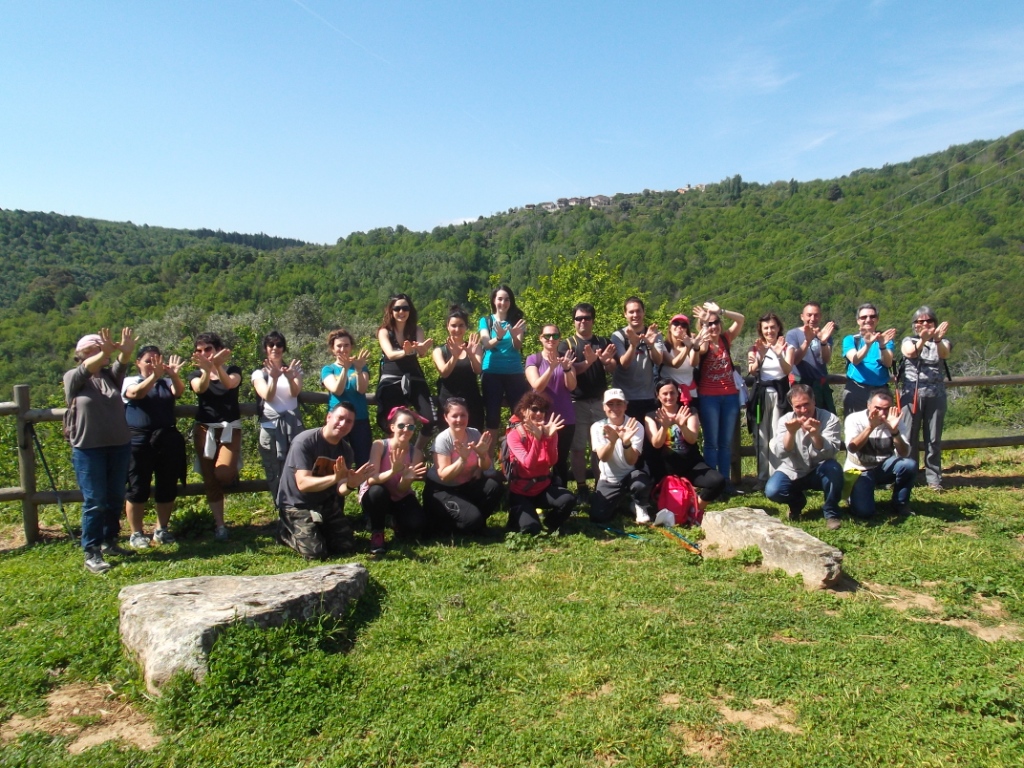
{"type": "Point", "coordinates": [407, 516]}
{"type": "Point", "coordinates": [463, 508]}
{"type": "Point", "coordinates": [557, 502]}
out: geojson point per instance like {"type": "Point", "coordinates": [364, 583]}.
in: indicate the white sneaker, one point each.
{"type": "Point", "coordinates": [642, 515]}
{"type": "Point", "coordinates": [138, 540]}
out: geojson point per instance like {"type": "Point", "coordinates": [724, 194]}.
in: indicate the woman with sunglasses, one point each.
{"type": "Point", "coordinates": [683, 358]}
{"type": "Point", "coordinates": [277, 386]}
{"type": "Point", "coordinates": [401, 377]}
{"type": "Point", "coordinates": [533, 450]}
{"type": "Point", "coordinates": [769, 361]}
{"type": "Point", "coordinates": [868, 356]}
{"type": "Point", "coordinates": [395, 464]}
{"type": "Point", "coordinates": [501, 336]}
{"type": "Point", "coordinates": [218, 428]}
{"type": "Point", "coordinates": [719, 398]}
{"type": "Point", "coordinates": [459, 364]}
{"type": "Point", "coordinates": [554, 376]}
{"type": "Point", "coordinates": [347, 379]}
{"type": "Point", "coordinates": [924, 389]}
{"type": "Point", "coordinates": [462, 489]}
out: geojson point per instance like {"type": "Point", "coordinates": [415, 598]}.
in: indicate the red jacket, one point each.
{"type": "Point", "coordinates": [531, 470]}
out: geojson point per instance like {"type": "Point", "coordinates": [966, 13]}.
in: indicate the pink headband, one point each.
{"type": "Point", "coordinates": [393, 411]}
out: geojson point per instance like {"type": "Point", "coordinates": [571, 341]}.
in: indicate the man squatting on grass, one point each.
{"type": "Point", "coordinates": [618, 442]}
{"type": "Point", "coordinates": [878, 446]}
{"type": "Point", "coordinates": [315, 480]}
{"type": "Point", "coordinates": [806, 446]}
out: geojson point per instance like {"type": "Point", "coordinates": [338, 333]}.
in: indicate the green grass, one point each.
{"type": "Point", "coordinates": [582, 649]}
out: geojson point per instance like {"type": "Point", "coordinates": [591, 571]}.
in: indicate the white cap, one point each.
{"type": "Point", "coordinates": [615, 394]}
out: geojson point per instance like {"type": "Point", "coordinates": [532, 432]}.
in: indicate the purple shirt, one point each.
{"type": "Point", "coordinates": [561, 397]}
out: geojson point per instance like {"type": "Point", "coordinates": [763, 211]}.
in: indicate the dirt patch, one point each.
{"type": "Point", "coordinates": [604, 690]}
{"type": "Point", "coordinates": [89, 715]}
{"type": "Point", "coordinates": [764, 714]}
{"type": "Point", "coordinates": [671, 700]}
{"type": "Point", "coordinates": [709, 746]}
{"type": "Point", "coordinates": [13, 537]}
{"type": "Point", "coordinates": [963, 530]}
{"type": "Point", "coordinates": [780, 638]}
{"type": "Point", "coordinates": [903, 600]}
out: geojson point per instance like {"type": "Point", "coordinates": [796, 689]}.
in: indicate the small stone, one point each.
{"type": "Point", "coordinates": [172, 625]}
{"type": "Point", "coordinates": [792, 549]}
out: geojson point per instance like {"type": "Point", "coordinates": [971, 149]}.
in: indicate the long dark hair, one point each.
{"type": "Point", "coordinates": [515, 314]}
{"type": "Point", "coordinates": [388, 323]}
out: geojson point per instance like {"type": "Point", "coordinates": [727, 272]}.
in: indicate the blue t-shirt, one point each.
{"type": "Point", "coordinates": [504, 358]}
{"type": "Point", "coordinates": [351, 393]}
{"type": "Point", "coordinates": [870, 372]}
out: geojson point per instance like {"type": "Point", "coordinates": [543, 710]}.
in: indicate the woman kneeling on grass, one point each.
{"type": "Point", "coordinates": [158, 449]}
{"type": "Point", "coordinates": [462, 488]}
{"type": "Point", "coordinates": [395, 464]}
{"type": "Point", "coordinates": [672, 433]}
{"type": "Point", "coordinates": [533, 452]}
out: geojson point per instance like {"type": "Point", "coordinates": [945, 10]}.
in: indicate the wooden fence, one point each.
{"type": "Point", "coordinates": [31, 498]}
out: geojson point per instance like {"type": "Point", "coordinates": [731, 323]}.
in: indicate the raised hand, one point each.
{"type": "Point", "coordinates": [221, 356]}
{"type": "Point", "coordinates": [553, 424]}
{"type": "Point", "coordinates": [409, 347]}
{"type": "Point", "coordinates": [360, 359]}
{"type": "Point", "coordinates": [683, 415]}
{"type": "Point", "coordinates": [664, 418]}
{"type": "Point", "coordinates": [424, 346]}
{"type": "Point", "coordinates": [700, 313]}
{"type": "Point", "coordinates": [272, 368]}
{"type": "Point", "coordinates": [463, 448]}
{"type": "Point", "coordinates": [341, 472]}
{"type": "Point", "coordinates": [293, 370]}
{"type": "Point", "coordinates": [454, 347]}
{"type": "Point", "coordinates": [568, 359]}
{"type": "Point", "coordinates": [202, 362]}
{"type": "Point", "coordinates": [107, 343]}
{"type": "Point", "coordinates": [712, 307]}
{"type": "Point", "coordinates": [810, 332]}
{"type": "Point", "coordinates": [889, 335]}
{"type": "Point", "coordinates": [632, 336]}
{"type": "Point", "coordinates": [128, 342]}
{"type": "Point", "coordinates": [174, 363]}
{"type": "Point", "coordinates": [159, 369]}
{"type": "Point", "coordinates": [590, 355]}
{"type": "Point", "coordinates": [826, 332]}
{"type": "Point", "coordinates": [628, 431]}
{"type": "Point", "coordinates": [779, 345]}
{"type": "Point", "coordinates": [483, 445]}
{"type": "Point", "coordinates": [876, 419]}
{"type": "Point", "coordinates": [357, 477]}
{"type": "Point", "coordinates": [608, 355]}
{"type": "Point", "coordinates": [893, 420]}
{"type": "Point", "coordinates": [940, 332]}
{"type": "Point", "coordinates": [795, 424]}
{"type": "Point", "coordinates": [611, 434]}
{"type": "Point", "coordinates": [652, 334]}
{"type": "Point", "coordinates": [398, 454]}
{"type": "Point", "coordinates": [473, 345]}
{"type": "Point", "coordinates": [414, 472]}
{"type": "Point", "coordinates": [812, 426]}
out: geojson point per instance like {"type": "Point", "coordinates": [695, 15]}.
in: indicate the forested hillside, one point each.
{"type": "Point", "coordinates": [946, 229]}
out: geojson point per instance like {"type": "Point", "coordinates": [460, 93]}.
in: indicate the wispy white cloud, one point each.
{"type": "Point", "coordinates": [749, 72]}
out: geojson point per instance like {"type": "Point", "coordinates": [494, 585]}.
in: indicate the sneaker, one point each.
{"type": "Point", "coordinates": [582, 495]}
{"type": "Point", "coordinates": [378, 546]}
{"type": "Point", "coordinates": [95, 563]}
{"type": "Point", "coordinates": [902, 509]}
{"type": "Point", "coordinates": [163, 536]}
{"type": "Point", "coordinates": [643, 517]}
{"type": "Point", "coordinates": [139, 540]}
{"type": "Point", "coordinates": [794, 513]}
{"type": "Point", "coordinates": [220, 533]}
{"type": "Point", "coordinates": [833, 523]}
{"type": "Point", "coordinates": [937, 487]}
{"type": "Point", "coordinates": [112, 548]}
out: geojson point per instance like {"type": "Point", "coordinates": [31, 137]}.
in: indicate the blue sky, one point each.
{"type": "Point", "coordinates": [313, 119]}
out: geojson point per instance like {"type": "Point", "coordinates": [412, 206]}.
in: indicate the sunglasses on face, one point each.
{"type": "Point", "coordinates": [868, 317]}
{"type": "Point", "coordinates": [583, 319]}
{"type": "Point", "coordinates": [275, 345]}
{"type": "Point", "coordinates": [405, 427]}
{"type": "Point", "coordinates": [551, 336]}
{"type": "Point", "coordinates": [537, 409]}
{"type": "Point", "coordinates": [680, 324]}
{"type": "Point", "coordinates": [713, 323]}
{"type": "Point", "coordinates": [400, 308]}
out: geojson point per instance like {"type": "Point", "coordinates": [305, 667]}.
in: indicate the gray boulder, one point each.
{"type": "Point", "coordinates": [782, 546]}
{"type": "Point", "coordinates": [171, 625]}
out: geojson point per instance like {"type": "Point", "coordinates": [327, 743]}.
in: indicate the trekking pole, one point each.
{"type": "Point", "coordinates": [53, 485]}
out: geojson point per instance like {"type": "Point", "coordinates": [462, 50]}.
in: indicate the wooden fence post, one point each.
{"type": "Point", "coordinates": [26, 464]}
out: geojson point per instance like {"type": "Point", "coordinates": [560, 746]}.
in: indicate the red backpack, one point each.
{"type": "Point", "coordinates": [677, 495]}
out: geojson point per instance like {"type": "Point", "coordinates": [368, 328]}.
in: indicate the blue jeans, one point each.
{"type": "Point", "coordinates": [718, 415]}
{"type": "Point", "coordinates": [898, 471]}
{"type": "Point", "coordinates": [827, 477]}
{"type": "Point", "coordinates": [102, 474]}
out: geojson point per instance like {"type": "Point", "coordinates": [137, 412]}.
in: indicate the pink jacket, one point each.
{"type": "Point", "coordinates": [531, 473]}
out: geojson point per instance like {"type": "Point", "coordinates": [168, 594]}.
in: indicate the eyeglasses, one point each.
{"type": "Point", "coordinates": [275, 345]}
{"type": "Point", "coordinates": [401, 308]}
{"type": "Point", "coordinates": [551, 336]}
{"type": "Point", "coordinates": [405, 427]}
{"type": "Point", "coordinates": [868, 317]}
{"type": "Point", "coordinates": [924, 321]}
{"type": "Point", "coordinates": [583, 319]}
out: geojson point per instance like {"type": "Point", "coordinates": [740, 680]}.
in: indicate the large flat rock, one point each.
{"type": "Point", "coordinates": [782, 546]}
{"type": "Point", "coordinates": [172, 625]}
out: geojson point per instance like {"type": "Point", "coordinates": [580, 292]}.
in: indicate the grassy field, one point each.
{"type": "Point", "coordinates": [585, 649]}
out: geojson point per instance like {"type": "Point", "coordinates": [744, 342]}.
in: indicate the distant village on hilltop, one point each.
{"type": "Point", "coordinates": [597, 201]}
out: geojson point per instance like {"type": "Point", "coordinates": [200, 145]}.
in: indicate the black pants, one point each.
{"type": "Point", "coordinates": [407, 515]}
{"type": "Point", "coordinates": [709, 482]}
{"type": "Point", "coordinates": [609, 497]}
{"type": "Point", "coordinates": [463, 508]}
{"type": "Point", "coordinates": [556, 501]}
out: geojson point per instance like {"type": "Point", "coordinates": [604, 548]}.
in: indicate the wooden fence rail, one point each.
{"type": "Point", "coordinates": [30, 497]}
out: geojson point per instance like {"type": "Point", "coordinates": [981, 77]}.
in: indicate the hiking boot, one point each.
{"type": "Point", "coordinates": [378, 546]}
{"type": "Point", "coordinates": [220, 533]}
{"type": "Point", "coordinates": [643, 517]}
{"type": "Point", "coordinates": [95, 563]}
{"type": "Point", "coordinates": [163, 536]}
{"type": "Point", "coordinates": [833, 523]}
{"type": "Point", "coordinates": [582, 495]}
{"type": "Point", "coordinates": [112, 548]}
{"type": "Point", "coordinates": [139, 540]}
{"type": "Point", "coordinates": [794, 513]}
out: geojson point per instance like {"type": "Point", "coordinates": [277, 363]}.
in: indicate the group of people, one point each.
{"type": "Point", "coordinates": [639, 401]}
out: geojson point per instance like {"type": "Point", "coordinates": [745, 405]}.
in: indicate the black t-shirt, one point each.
{"type": "Point", "coordinates": [594, 381]}
{"type": "Point", "coordinates": [218, 403]}
{"type": "Point", "coordinates": [303, 453]}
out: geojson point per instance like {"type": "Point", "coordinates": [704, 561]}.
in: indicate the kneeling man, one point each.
{"type": "Point", "coordinates": [618, 442]}
{"type": "Point", "coordinates": [878, 446]}
{"type": "Point", "coordinates": [314, 483]}
{"type": "Point", "coordinates": [806, 446]}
